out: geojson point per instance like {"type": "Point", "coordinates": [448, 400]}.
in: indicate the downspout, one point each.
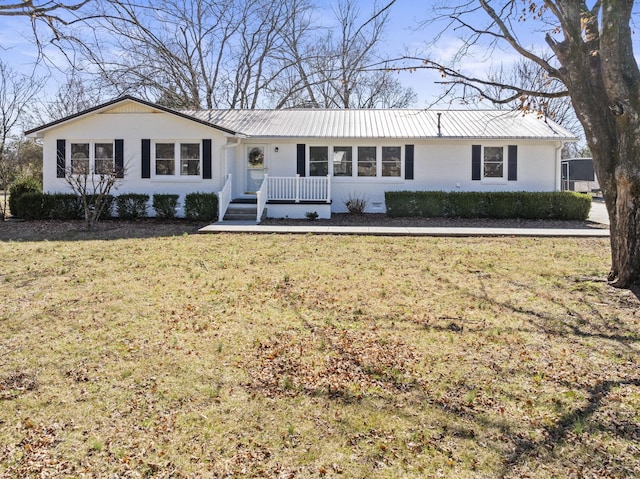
{"type": "Point", "coordinates": [558, 176]}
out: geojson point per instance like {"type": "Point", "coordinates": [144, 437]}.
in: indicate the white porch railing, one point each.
{"type": "Point", "coordinates": [299, 188]}
{"type": "Point", "coordinates": [262, 195]}
{"type": "Point", "coordinates": [224, 198]}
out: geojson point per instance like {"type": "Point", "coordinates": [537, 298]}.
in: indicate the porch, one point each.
{"type": "Point", "coordinates": [278, 197]}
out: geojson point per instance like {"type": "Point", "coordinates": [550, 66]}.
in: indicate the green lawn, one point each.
{"type": "Point", "coordinates": [313, 356]}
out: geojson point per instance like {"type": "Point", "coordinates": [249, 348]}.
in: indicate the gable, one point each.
{"type": "Point", "coordinates": [124, 105]}
{"type": "Point", "coordinates": [127, 108]}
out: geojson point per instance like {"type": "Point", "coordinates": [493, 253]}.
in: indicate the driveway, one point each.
{"type": "Point", "coordinates": [598, 213]}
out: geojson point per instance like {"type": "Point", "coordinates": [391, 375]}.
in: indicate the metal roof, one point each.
{"type": "Point", "coordinates": [354, 124]}
{"type": "Point", "coordinates": [394, 123]}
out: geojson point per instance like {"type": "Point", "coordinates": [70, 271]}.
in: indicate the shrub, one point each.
{"type": "Point", "coordinates": [65, 206]}
{"type": "Point", "coordinates": [106, 205]}
{"type": "Point", "coordinates": [165, 205]}
{"type": "Point", "coordinates": [32, 205]}
{"type": "Point", "coordinates": [356, 205]}
{"type": "Point", "coordinates": [502, 204]}
{"type": "Point", "coordinates": [19, 188]}
{"type": "Point", "coordinates": [311, 215]}
{"type": "Point", "coordinates": [132, 206]}
{"type": "Point", "coordinates": [565, 205]}
{"type": "Point", "coordinates": [201, 206]}
{"type": "Point", "coordinates": [571, 205]}
{"type": "Point", "coordinates": [466, 205]}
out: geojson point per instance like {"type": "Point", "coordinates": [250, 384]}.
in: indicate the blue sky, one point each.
{"type": "Point", "coordinates": [401, 35]}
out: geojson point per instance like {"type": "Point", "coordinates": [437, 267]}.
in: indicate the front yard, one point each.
{"type": "Point", "coordinates": [151, 352]}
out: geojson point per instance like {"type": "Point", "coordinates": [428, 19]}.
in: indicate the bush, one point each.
{"type": "Point", "coordinates": [19, 188]}
{"type": "Point", "coordinates": [565, 205]}
{"type": "Point", "coordinates": [419, 203]}
{"type": "Point", "coordinates": [132, 206]}
{"type": "Point", "coordinates": [356, 205]}
{"type": "Point", "coordinates": [165, 205]}
{"type": "Point", "coordinates": [65, 206]}
{"type": "Point", "coordinates": [570, 205]}
{"type": "Point", "coordinates": [466, 205]}
{"type": "Point", "coordinates": [107, 205]}
{"type": "Point", "coordinates": [32, 205]}
{"type": "Point", "coordinates": [201, 206]}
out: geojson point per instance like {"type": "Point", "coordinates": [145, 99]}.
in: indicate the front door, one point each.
{"type": "Point", "coordinates": [255, 168]}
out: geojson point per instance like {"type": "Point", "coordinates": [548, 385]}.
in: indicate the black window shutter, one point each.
{"type": "Point", "coordinates": [146, 158]}
{"type": "Point", "coordinates": [206, 160]}
{"type": "Point", "coordinates": [300, 169]}
{"type": "Point", "coordinates": [119, 158]}
{"type": "Point", "coordinates": [408, 162]}
{"type": "Point", "coordinates": [512, 171]}
{"type": "Point", "coordinates": [61, 146]}
{"type": "Point", "coordinates": [476, 162]}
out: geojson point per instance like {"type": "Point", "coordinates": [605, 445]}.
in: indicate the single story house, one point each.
{"type": "Point", "coordinates": [289, 162]}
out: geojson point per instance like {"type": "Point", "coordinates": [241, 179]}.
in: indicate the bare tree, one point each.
{"type": "Point", "coordinates": [333, 72]}
{"type": "Point", "coordinates": [240, 54]}
{"type": "Point", "coordinates": [591, 55]}
{"type": "Point", "coordinates": [45, 9]}
{"type": "Point", "coordinates": [16, 95]}
{"type": "Point", "coordinates": [53, 15]}
{"type": "Point", "coordinates": [189, 54]}
{"type": "Point", "coordinates": [93, 188]}
{"type": "Point", "coordinates": [72, 97]}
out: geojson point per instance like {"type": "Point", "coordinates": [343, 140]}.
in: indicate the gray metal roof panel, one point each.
{"type": "Point", "coordinates": [399, 124]}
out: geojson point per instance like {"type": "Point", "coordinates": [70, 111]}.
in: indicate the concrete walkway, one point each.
{"type": "Point", "coordinates": [598, 214]}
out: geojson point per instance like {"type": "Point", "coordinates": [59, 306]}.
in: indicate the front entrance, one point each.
{"type": "Point", "coordinates": [255, 168]}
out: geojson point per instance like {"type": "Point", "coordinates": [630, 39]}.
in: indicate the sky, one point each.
{"type": "Point", "coordinates": [17, 49]}
{"type": "Point", "coordinates": [402, 35]}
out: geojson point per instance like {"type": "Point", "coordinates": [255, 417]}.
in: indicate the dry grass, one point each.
{"type": "Point", "coordinates": [313, 356]}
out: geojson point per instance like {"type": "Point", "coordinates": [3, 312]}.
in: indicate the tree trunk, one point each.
{"type": "Point", "coordinates": [621, 190]}
{"type": "Point", "coordinates": [602, 77]}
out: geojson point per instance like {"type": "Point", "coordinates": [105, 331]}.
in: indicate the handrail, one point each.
{"type": "Point", "coordinates": [300, 188]}
{"type": "Point", "coordinates": [262, 195]}
{"type": "Point", "coordinates": [224, 198]}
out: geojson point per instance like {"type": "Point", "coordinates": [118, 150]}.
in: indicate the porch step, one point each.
{"type": "Point", "coordinates": [241, 211]}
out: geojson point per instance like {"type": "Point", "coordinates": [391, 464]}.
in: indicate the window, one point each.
{"type": "Point", "coordinates": [103, 154]}
{"type": "Point", "coordinates": [391, 163]}
{"type": "Point", "coordinates": [318, 161]}
{"type": "Point", "coordinates": [92, 157]}
{"type": "Point", "coordinates": [493, 162]}
{"type": "Point", "coordinates": [367, 161]}
{"type": "Point", "coordinates": [349, 161]}
{"type": "Point", "coordinates": [342, 161]}
{"type": "Point", "coordinates": [189, 159]}
{"type": "Point", "coordinates": [80, 158]}
{"type": "Point", "coordinates": [183, 158]}
{"type": "Point", "coordinates": [165, 159]}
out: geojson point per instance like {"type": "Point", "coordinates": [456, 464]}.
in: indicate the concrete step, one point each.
{"type": "Point", "coordinates": [241, 210]}
{"type": "Point", "coordinates": [239, 217]}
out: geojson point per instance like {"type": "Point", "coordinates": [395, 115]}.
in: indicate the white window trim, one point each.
{"type": "Point", "coordinates": [176, 177]}
{"type": "Point", "coordinates": [92, 153]}
{"type": "Point", "coordinates": [354, 162]}
{"type": "Point", "coordinates": [505, 165]}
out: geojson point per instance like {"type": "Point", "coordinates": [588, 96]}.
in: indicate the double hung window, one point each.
{"type": "Point", "coordinates": [391, 161]}
{"type": "Point", "coordinates": [342, 161]}
{"type": "Point", "coordinates": [177, 159]}
{"type": "Point", "coordinates": [367, 161]}
{"type": "Point", "coordinates": [318, 161]}
{"type": "Point", "coordinates": [92, 157]}
{"type": "Point", "coordinates": [493, 162]}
